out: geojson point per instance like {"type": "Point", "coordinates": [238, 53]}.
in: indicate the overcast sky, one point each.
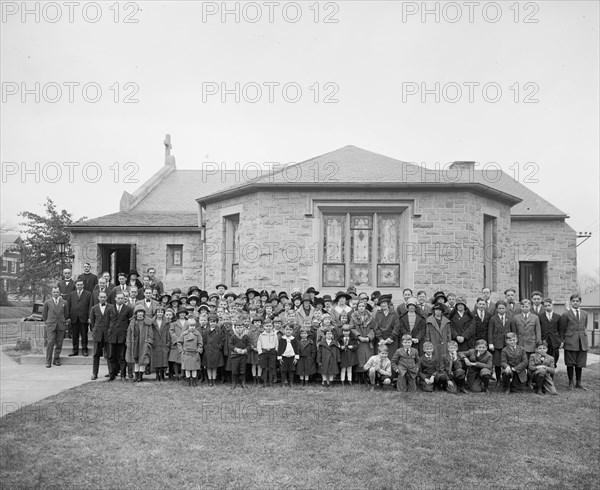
{"type": "Point", "coordinates": [360, 67]}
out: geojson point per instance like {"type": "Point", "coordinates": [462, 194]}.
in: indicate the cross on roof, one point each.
{"type": "Point", "coordinates": [168, 145]}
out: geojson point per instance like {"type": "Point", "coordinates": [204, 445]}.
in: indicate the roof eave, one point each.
{"type": "Point", "coordinates": [135, 229]}
{"type": "Point", "coordinates": [547, 217]}
{"type": "Point", "coordinates": [255, 187]}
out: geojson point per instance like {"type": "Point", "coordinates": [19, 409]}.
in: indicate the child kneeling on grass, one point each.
{"type": "Point", "coordinates": [406, 362]}
{"type": "Point", "coordinates": [479, 367]}
{"type": "Point", "coordinates": [379, 368]}
{"type": "Point", "coordinates": [430, 373]}
{"type": "Point", "coordinates": [541, 367]}
{"type": "Point", "coordinates": [514, 365]}
{"type": "Point", "coordinates": [454, 369]}
{"type": "Point", "coordinates": [190, 347]}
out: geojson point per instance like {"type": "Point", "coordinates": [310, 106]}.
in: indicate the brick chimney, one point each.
{"type": "Point", "coordinates": [462, 165]}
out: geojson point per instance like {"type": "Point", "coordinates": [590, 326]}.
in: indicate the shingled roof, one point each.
{"type": "Point", "coordinates": [171, 200]}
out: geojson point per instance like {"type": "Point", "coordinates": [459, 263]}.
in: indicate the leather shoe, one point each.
{"type": "Point", "coordinates": [580, 387]}
{"type": "Point", "coordinates": [94, 376]}
{"type": "Point", "coordinates": [57, 362]}
{"type": "Point", "coordinates": [571, 385]}
{"type": "Point", "coordinates": [48, 365]}
{"type": "Point", "coordinates": [72, 354]}
{"type": "Point", "coordinates": [85, 353]}
{"type": "Point", "coordinates": [111, 378]}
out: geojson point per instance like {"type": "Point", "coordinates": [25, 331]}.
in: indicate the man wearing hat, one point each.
{"type": "Point", "coordinates": [313, 292]}
{"type": "Point", "coordinates": [221, 288]}
{"type": "Point", "coordinates": [386, 323]}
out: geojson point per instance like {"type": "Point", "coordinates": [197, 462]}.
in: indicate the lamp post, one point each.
{"type": "Point", "coordinates": [62, 250]}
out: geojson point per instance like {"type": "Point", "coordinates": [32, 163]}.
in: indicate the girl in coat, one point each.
{"type": "Point", "coordinates": [413, 324]}
{"type": "Point", "coordinates": [213, 348]}
{"type": "Point", "coordinates": [306, 363]}
{"type": "Point", "coordinates": [176, 328]}
{"type": "Point", "coordinates": [463, 325]}
{"type": "Point", "coordinates": [139, 342]}
{"type": "Point", "coordinates": [190, 348]}
{"type": "Point", "coordinates": [161, 341]}
{"type": "Point", "coordinates": [362, 325]}
{"type": "Point", "coordinates": [348, 348]}
{"type": "Point", "coordinates": [328, 358]}
{"type": "Point", "coordinates": [253, 332]}
{"type": "Point", "coordinates": [439, 332]}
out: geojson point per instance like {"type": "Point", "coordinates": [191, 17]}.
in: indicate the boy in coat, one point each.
{"type": "Point", "coordinates": [287, 355]}
{"type": "Point", "coordinates": [406, 363]}
{"type": "Point", "coordinates": [498, 327]}
{"type": "Point", "coordinates": [479, 367]}
{"type": "Point", "coordinates": [100, 316]}
{"type": "Point", "coordinates": [541, 365]}
{"type": "Point", "coordinates": [429, 370]}
{"type": "Point", "coordinates": [454, 371]}
{"type": "Point", "coordinates": [514, 365]}
{"type": "Point", "coordinates": [549, 327]}
{"type": "Point", "coordinates": [239, 346]}
{"type": "Point", "coordinates": [54, 316]}
{"type": "Point", "coordinates": [572, 333]}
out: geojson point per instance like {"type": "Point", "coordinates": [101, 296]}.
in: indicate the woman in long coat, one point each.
{"type": "Point", "coordinates": [139, 342]}
{"type": "Point", "coordinates": [176, 328]}
{"type": "Point", "coordinates": [362, 326]}
{"type": "Point", "coordinates": [418, 331]}
{"type": "Point", "coordinates": [463, 325]}
{"type": "Point", "coordinates": [439, 332]}
{"type": "Point", "coordinates": [161, 342]}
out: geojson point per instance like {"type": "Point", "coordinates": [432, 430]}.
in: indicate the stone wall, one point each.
{"type": "Point", "coordinates": [551, 241]}
{"type": "Point", "coordinates": [280, 233]}
{"type": "Point", "coordinates": [151, 252]}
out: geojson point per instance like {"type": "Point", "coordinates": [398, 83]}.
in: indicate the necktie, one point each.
{"type": "Point", "coordinates": [481, 315]}
{"type": "Point", "coordinates": [118, 309]}
{"type": "Point", "coordinates": [407, 352]}
{"type": "Point", "coordinates": [526, 316]}
{"type": "Point", "coordinates": [577, 315]}
{"type": "Point", "coordinates": [79, 294]}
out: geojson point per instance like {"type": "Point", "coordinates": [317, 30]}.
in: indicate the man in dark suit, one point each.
{"type": "Point", "coordinates": [481, 318]}
{"type": "Point", "coordinates": [513, 307]}
{"type": "Point", "coordinates": [67, 285]}
{"type": "Point", "coordinates": [149, 304]}
{"type": "Point", "coordinates": [549, 325]}
{"type": "Point", "coordinates": [117, 335]}
{"type": "Point", "coordinates": [101, 287]}
{"type": "Point", "coordinates": [89, 280]}
{"type": "Point", "coordinates": [490, 306]}
{"type": "Point", "coordinates": [154, 282]}
{"type": "Point", "coordinates": [106, 276]}
{"type": "Point", "coordinates": [571, 329]}
{"type": "Point", "coordinates": [54, 315]}
{"type": "Point", "coordinates": [537, 306]}
{"type": "Point", "coordinates": [402, 307]}
{"type": "Point", "coordinates": [100, 315]}
{"type": "Point", "coordinates": [121, 287]}
{"type": "Point", "coordinates": [79, 303]}
{"type": "Point", "coordinates": [423, 307]}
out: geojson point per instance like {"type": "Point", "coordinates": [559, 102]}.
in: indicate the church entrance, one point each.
{"type": "Point", "coordinates": [117, 258]}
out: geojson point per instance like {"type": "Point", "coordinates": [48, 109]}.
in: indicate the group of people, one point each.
{"type": "Point", "coordinates": [262, 337]}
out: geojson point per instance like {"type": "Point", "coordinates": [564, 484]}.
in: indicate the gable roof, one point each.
{"type": "Point", "coordinates": [354, 167]}
{"type": "Point", "coordinates": [170, 197]}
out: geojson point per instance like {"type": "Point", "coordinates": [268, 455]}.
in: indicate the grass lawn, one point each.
{"type": "Point", "coordinates": [167, 435]}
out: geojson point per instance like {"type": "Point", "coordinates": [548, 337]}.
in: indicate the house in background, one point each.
{"type": "Point", "coordinates": [590, 302]}
{"type": "Point", "coordinates": [10, 244]}
{"type": "Point", "coordinates": [348, 217]}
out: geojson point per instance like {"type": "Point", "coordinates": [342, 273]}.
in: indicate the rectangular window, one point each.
{"type": "Point", "coordinates": [174, 258]}
{"type": "Point", "coordinates": [232, 250]}
{"type": "Point", "coordinates": [11, 267]}
{"type": "Point", "coordinates": [361, 249]}
{"type": "Point", "coordinates": [489, 252]}
{"type": "Point", "coordinates": [4, 265]}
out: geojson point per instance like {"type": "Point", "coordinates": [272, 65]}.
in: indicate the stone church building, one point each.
{"type": "Point", "coordinates": [348, 217]}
